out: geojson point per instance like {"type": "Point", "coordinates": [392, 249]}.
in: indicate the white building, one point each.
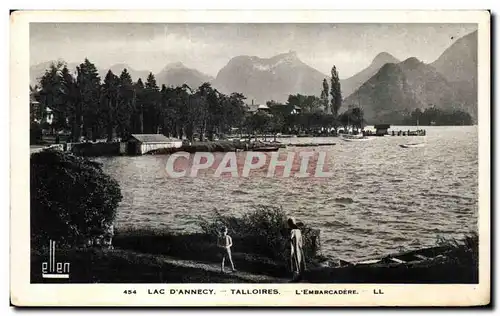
{"type": "Point", "coordinates": [140, 144]}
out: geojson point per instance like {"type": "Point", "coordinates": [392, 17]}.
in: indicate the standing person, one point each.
{"type": "Point", "coordinates": [297, 258]}
{"type": "Point", "coordinates": [225, 242]}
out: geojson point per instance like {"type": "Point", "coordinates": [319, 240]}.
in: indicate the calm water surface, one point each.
{"type": "Point", "coordinates": [381, 198]}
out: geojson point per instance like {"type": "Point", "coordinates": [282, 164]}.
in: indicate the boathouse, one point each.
{"type": "Point", "coordinates": [381, 129]}
{"type": "Point", "coordinates": [139, 144]}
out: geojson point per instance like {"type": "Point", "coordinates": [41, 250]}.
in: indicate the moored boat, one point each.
{"type": "Point", "coordinates": [355, 138]}
{"type": "Point", "coordinates": [412, 145]}
{"type": "Point", "coordinates": [266, 149]}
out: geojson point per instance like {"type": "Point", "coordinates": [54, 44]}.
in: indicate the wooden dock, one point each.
{"type": "Point", "coordinates": [311, 144]}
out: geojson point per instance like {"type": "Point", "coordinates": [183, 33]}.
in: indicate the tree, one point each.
{"type": "Point", "coordinates": [125, 104]}
{"type": "Point", "coordinates": [109, 100]}
{"type": "Point", "coordinates": [416, 116]}
{"type": "Point", "coordinates": [72, 199]}
{"type": "Point", "coordinates": [51, 96]}
{"type": "Point", "coordinates": [35, 116]}
{"type": "Point", "coordinates": [72, 98]}
{"type": "Point", "coordinates": [357, 117]}
{"type": "Point", "coordinates": [183, 105]}
{"type": "Point", "coordinates": [235, 112]}
{"type": "Point", "coordinates": [151, 105]}
{"type": "Point", "coordinates": [344, 120]}
{"type": "Point", "coordinates": [89, 84]}
{"type": "Point", "coordinates": [336, 95]}
{"type": "Point", "coordinates": [232, 112]}
{"type": "Point", "coordinates": [324, 95]}
{"type": "Point", "coordinates": [171, 109]}
{"type": "Point", "coordinates": [137, 107]}
{"type": "Point", "coordinates": [260, 122]}
{"type": "Point", "coordinates": [307, 103]}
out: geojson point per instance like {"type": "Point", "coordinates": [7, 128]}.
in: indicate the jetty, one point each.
{"type": "Point", "coordinates": [382, 130]}
{"type": "Point", "coordinates": [311, 144]}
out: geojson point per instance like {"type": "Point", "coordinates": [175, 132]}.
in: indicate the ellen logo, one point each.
{"type": "Point", "coordinates": [53, 269]}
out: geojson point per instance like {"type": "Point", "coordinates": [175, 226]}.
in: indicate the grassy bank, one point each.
{"type": "Point", "coordinates": [125, 266]}
{"type": "Point", "coordinates": [259, 253]}
{"type": "Point", "coordinates": [143, 256]}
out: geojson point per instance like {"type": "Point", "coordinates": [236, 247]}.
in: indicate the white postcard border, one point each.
{"type": "Point", "coordinates": [25, 294]}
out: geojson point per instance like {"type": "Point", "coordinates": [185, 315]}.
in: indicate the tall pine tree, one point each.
{"type": "Point", "coordinates": [137, 113]}
{"type": "Point", "coordinates": [125, 104]}
{"type": "Point", "coordinates": [151, 105]}
{"type": "Point", "coordinates": [89, 84]}
{"type": "Point", "coordinates": [324, 95]}
{"type": "Point", "coordinates": [109, 103]}
{"type": "Point", "coordinates": [71, 95]}
{"type": "Point", "coordinates": [51, 96]}
{"type": "Point", "coordinates": [336, 101]}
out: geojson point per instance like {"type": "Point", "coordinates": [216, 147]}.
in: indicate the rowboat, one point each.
{"type": "Point", "coordinates": [266, 149]}
{"type": "Point", "coordinates": [412, 145]}
{"type": "Point", "coordinates": [355, 138]}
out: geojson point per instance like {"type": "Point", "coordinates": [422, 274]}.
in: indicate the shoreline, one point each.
{"type": "Point", "coordinates": [193, 258]}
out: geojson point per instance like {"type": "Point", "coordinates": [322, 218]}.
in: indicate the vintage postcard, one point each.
{"type": "Point", "coordinates": [250, 158]}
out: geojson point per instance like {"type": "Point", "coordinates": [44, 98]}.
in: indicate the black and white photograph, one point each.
{"type": "Point", "coordinates": [257, 153]}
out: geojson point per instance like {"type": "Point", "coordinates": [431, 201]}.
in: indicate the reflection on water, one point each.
{"type": "Point", "coordinates": [382, 197]}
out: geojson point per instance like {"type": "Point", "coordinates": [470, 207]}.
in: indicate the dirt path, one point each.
{"type": "Point", "coordinates": [239, 276]}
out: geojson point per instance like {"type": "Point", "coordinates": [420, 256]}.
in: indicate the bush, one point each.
{"type": "Point", "coordinates": [72, 199]}
{"type": "Point", "coordinates": [263, 231]}
{"type": "Point", "coordinates": [464, 251]}
{"type": "Point", "coordinates": [35, 133]}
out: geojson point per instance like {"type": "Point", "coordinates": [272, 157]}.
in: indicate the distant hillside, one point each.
{"type": "Point", "coordinates": [388, 91]}
{"type": "Point", "coordinates": [458, 64]}
{"type": "Point", "coordinates": [265, 79]}
{"type": "Point", "coordinates": [448, 83]}
{"type": "Point", "coordinates": [349, 85]}
{"type": "Point", "coordinates": [176, 74]}
{"type": "Point", "coordinates": [397, 89]}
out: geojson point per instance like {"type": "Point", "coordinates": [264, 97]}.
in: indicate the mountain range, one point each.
{"type": "Point", "coordinates": [383, 89]}
{"type": "Point", "coordinates": [448, 83]}
{"type": "Point", "coordinates": [177, 74]}
{"type": "Point", "coordinates": [265, 79]}
{"type": "Point", "coordinates": [174, 74]}
{"type": "Point", "coordinates": [349, 85]}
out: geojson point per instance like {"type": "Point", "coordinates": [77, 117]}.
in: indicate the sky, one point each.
{"type": "Point", "coordinates": [209, 47]}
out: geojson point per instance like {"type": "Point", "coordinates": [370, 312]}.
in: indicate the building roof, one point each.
{"type": "Point", "coordinates": [153, 138]}
{"type": "Point", "coordinates": [256, 107]}
{"type": "Point", "coordinates": [382, 126]}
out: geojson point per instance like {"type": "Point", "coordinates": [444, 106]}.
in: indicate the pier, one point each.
{"type": "Point", "coordinates": [382, 130]}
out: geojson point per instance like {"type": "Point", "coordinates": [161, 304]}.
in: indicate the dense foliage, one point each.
{"type": "Point", "coordinates": [83, 104]}
{"type": "Point", "coordinates": [435, 116]}
{"type": "Point", "coordinates": [72, 199]}
{"type": "Point", "coordinates": [86, 107]}
{"type": "Point", "coordinates": [263, 230]}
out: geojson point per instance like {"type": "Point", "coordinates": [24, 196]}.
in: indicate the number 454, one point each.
{"type": "Point", "coordinates": [129, 292]}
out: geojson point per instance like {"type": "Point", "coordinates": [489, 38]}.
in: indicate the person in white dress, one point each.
{"type": "Point", "coordinates": [297, 258]}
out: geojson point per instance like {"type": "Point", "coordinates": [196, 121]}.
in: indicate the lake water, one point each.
{"type": "Point", "coordinates": [381, 199]}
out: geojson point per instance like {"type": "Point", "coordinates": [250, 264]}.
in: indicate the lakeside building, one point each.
{"type": "Point", "coordinates": [254, 108]}
{"type": "Point", "coordinates": [140, 144]}
{"type": "Point", "coordinates": [381, 129]}
{"type": "Point", "coordinates": [296, 110]}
